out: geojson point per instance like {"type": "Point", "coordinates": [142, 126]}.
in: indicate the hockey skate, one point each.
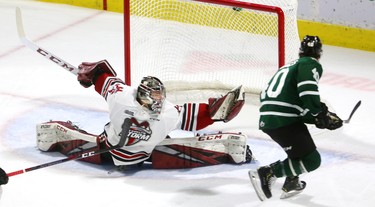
{"type": "Point", "coordinates": [126, 168]}
{"type": "Point", "coordinates": [292, 186]}
{"type": "Point", "coordinates": [262, 180]}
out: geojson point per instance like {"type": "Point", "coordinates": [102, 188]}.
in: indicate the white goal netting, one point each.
{"type": "Point", "coordinates": [195, 46]}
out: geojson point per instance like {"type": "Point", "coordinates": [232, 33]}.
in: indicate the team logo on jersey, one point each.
{"type": "Point", "coordinates": [316, 75]}
{"type": "Point", "coordinates": [138, 132]}
{"type": "Point", "coordinates": [178, 108]}
{"type": "Point", "coordinates": [115, 88]}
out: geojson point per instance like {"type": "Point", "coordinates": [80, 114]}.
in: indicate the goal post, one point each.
{"type": "Point", "coordinates": [209, 44]}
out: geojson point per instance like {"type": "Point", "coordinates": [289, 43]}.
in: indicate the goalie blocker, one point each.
{"type": "Point", "coordinates": [171, 153]}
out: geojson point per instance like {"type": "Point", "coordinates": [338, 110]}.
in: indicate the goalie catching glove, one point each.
{"type": "Point", "coordinates": [228, 106]}
{"type": "Point", "coordinates": [89, 72]}
{"type": "Point", "coordinates": [327, 119]}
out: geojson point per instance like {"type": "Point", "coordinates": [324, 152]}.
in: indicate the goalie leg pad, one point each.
{"type": "Point", "coordinates": [201, 151]}
{"type": "Point", "coordinates": [67, 139]}
{"type": "Point", "coordinates": [228, 106]}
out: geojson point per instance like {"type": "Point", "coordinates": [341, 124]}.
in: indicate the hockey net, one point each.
{"type": "Point", "coordinates": [208, 45]}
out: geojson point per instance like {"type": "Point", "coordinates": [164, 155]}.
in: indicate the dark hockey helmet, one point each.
{"type": "Point", "coordinates": [151, 94]}
{"type": "Point", "coordinates": [311, 46]}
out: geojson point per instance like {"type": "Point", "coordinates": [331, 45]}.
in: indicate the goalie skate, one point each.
{"type": "Point", "coordinates": [292, 187]}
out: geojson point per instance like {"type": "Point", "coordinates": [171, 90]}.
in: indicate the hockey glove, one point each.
{"type": "Point", "coordinates": [3, 177]}
{"type": "Point", "coordinates": [327, 119]}
{"type": "Point", "coordinates": [89, 72]}
{"type": "Point", "coordinates": [228, 106]}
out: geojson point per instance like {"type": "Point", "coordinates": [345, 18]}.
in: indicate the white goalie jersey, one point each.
{"type": "Point", "coordinates": [145, 132]}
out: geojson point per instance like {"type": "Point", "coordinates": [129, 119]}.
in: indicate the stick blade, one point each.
{"type": "Point", "coordinates": [353, 111]}
{"type": "Point", "coordinates": [20, 30]}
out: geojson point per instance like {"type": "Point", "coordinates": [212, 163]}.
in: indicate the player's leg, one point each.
{"type": "Point", "coordinates": [300, 148]}
{"type": "Point", "coordinates": [302, 158]}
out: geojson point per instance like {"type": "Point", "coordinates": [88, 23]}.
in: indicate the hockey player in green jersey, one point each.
{"type": "Point", "coordinates": [289, 102]}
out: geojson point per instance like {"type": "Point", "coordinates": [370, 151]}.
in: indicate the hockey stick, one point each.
{"type": "Point", "coordinates": [124, 134]}
{"type": "Point", "coordinates": [353, 111]}
{"type": "Point", "coordinates": [21, 33]}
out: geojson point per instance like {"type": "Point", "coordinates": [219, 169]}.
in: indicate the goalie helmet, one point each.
{"type": "Point", "coordinates": [151, 94]}
{"type": "Point", "coordinates": [311, 46]}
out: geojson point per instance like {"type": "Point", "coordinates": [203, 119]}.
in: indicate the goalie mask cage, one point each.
{"type": "Point", "coordinates": [209, 44]}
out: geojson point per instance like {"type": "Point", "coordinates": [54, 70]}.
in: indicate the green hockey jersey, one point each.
{"type": "Point", "coordinates": [291, 95]}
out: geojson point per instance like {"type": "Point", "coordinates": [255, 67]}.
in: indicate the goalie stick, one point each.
{"type": "Point", "coordinates": [21, 33]}
{"type": "Point", "coordinates": [124, 133]}
{"type": "Point", "coordinates": [353, 111]}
